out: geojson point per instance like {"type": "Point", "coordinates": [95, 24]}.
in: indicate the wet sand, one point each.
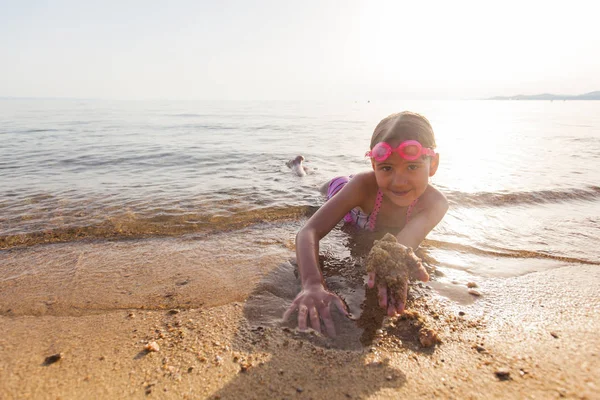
{"type": "Point", "coordinates": [214, 316]}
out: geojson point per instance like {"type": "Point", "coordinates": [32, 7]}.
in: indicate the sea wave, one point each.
{"type": "Point", "coordinates": [499, 199]}
{"type": "Point", "coordinates": [46, 218]}
{"type": "Point", "coordinates": [167, 223]}
{"type": "Point", "coordinates": [506, 253]}
{"type": "Point", "coordinates": [162, 158]}
{"type": "Point", "coordinates": [161, 223]}
{"type": "Point", "coordinates": [33, 131]}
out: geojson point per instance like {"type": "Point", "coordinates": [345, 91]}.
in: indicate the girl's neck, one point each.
{"type": "Point", "coordinates": [394, 215]}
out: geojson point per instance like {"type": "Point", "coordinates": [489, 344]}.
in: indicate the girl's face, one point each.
{"type": "Point", "coordinates": [404, 181]}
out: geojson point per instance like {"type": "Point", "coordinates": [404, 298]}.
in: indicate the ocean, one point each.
{"type": "Point", "coordinates": [521, 176]}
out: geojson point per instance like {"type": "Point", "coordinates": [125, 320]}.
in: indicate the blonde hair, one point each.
{"type": "Point", "coordinates": [403, 126]}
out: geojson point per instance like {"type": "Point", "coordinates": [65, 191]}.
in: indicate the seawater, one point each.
{"type": "Point", "coordinates": [521, 176]}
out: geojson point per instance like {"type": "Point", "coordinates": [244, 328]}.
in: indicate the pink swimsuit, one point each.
{"type": "Point", "coordinates": [356, 216]}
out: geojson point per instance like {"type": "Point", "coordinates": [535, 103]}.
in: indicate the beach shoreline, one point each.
{"type": "Point", "coordinates": [533, 335]}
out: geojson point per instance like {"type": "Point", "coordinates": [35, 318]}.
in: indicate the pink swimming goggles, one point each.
{"type": "Point", "coordinates": [410, 150]}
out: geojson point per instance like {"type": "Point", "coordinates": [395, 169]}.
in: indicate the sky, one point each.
{"type": "Point", "coordinates": [297, 50]}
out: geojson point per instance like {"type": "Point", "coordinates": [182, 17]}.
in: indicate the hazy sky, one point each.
{"type": "Point", "coordinates": [235, 49]}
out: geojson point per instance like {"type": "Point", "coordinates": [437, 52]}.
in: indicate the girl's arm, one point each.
{"type": "Point", "coordinates": [314, 299]}
{"type": "Point", "coordinates": [352, 195]}
{"type": "Point", "coordinates": [433, 205]}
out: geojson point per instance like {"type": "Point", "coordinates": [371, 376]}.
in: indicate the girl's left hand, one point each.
{"type": "Point", "coordinates": [397, 301]}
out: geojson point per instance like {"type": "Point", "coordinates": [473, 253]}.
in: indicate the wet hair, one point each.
{"type": "Point", "coordinates": [403, 126]}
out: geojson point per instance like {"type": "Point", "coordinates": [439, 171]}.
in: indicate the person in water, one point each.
{"type": "Point", "coordinates": [395, 196]}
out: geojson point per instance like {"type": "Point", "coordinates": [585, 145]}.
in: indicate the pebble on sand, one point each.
{"type": "Point", "coordinates": [152, 346]}
{"type": "Point", "coordinates": [480, 349]}
{"type": "Point", "coordinates": [503, 374]}
{"type": "Point", "coordinates": [428, 337]}
{"type": "Point", "coordinates": [245, 366]}
{"type": "Point", "coordinates": [53, 358]}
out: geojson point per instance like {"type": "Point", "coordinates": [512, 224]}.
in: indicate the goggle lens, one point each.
{"type": "Point", "coordinates": [411, 151]}
{"type": "Point", "coordinates": [381, 152]}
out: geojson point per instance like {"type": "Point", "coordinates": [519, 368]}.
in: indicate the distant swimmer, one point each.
{"type": "Point", "coordinates": [296, 166]}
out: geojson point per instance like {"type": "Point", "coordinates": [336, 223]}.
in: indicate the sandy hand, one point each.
{"type": "Point", "coordinates": [314, 303]}
{"type": "Point", "coordinates": [389, 265]}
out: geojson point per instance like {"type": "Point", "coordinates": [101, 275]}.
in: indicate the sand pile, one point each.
{"type": "Point", "coordinates": [392, 263]}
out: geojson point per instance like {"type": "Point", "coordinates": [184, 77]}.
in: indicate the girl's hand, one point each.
{"type": "Point", "coordinates": [397, 301]}
{"type": "Point", "coordinates": [313, 302]}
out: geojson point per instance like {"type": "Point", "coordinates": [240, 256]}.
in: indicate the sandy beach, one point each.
{"type": "Point", "coordinates": [158, 163]}
{"type": "Point", "coordinates": [219, 335]}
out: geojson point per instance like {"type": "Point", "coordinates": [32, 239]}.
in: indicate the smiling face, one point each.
{"type": "Point", "coordinates": [402, 181]}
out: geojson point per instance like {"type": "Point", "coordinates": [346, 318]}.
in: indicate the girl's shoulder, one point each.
{"type": "Point", "coordinates": [432, 199]}
{"type": "Point", "coordinates": [366, 179]}
{"type": "Point", "coordinates": [363, 188]}
{"type": "Point", "coordinates": [366, 183]}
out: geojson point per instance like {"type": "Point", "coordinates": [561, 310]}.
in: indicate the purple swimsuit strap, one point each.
{"type": "Point", "coordinates": [378, 200]}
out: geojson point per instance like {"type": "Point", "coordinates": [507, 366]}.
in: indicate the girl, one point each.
{"type": "Point", "coordinates": [395, 196]}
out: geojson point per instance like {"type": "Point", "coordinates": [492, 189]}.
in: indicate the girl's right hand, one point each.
{"type": "Point", "coordinates": [395, 302]}
{"type": "Point", "coordinates": [313, 302]}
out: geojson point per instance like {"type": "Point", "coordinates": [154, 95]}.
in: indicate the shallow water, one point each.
{"type": "Point", "coordinates": [521, 178]}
